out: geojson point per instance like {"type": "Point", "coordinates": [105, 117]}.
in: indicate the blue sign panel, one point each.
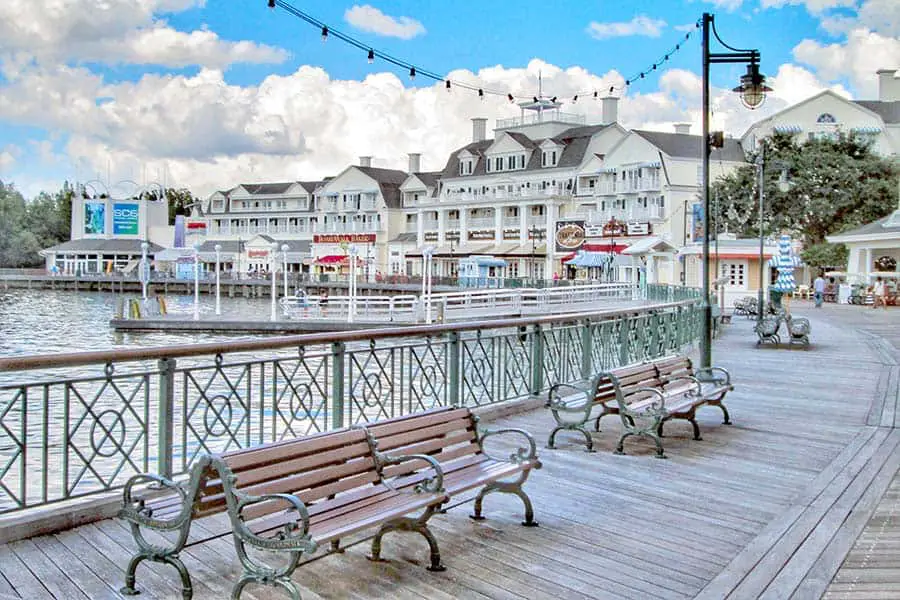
{"type": "Point", "coordinates": [125, 218]}
{"type": "Point", "coordinates": [94, 218]}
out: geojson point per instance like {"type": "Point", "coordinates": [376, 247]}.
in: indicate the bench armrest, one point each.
{"type": "Point", "coordinates": [136, 511]}
{"type": "Point", "coordinates": [434, 484]}
{"type": "Point", "coordinates": [708, 374]}
{"type": "Point", "coordinates": [554, 404]}
{"type": "Point", "coordinates": [656, 409]}
{"type": "Point", "coordinates": [294, 535]}
{"type": "Point", "coordinates": [519, 456]}
{"type": "Point", "coordinates": [690, 378]}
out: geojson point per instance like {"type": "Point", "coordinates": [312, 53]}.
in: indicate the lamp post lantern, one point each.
{"type": "Point", "coordinates": [284, 266]}
{"type": "Point", "coordinates": [753, 92]}
{"type": "Point", "coordinates": [196, 282]}
{"type": "Point", "coordinates": [218, 249]}
{"type": "Point", "coordinates": [145, 271]}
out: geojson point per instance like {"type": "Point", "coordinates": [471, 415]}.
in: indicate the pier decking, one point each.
{"type": "Point", "coordinates": [790, 501]}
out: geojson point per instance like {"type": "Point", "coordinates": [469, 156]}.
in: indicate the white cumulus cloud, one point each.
{"type": "Point", "coordinates": [857, 59]}
{"type": "Point", "coordinates": [368, 18]}
{"type": "Point", "coordinates": [640, 25]}
{"type": "Point", "coordinates": [118, 32]}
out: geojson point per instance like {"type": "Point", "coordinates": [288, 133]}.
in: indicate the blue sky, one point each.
{"type": "Point", "coordinates": [206, 94]}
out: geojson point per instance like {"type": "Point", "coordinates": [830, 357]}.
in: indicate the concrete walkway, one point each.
{"type": "Point", "coordinates": [788, 501]}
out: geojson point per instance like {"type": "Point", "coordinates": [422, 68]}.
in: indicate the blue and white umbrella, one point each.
{"type": "Point", "coordinates": [785, 261]}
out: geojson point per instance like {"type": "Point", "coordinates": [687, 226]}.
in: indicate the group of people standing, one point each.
{"type": "Point", "coordinates": [878, 290]}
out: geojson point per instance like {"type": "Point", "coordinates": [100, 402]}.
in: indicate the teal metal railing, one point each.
{"type": "Point", "coordinates": [78, 424]}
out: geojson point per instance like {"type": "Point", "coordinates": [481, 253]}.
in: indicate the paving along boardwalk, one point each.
{"type": "Point", "coordinates": [774, 506]}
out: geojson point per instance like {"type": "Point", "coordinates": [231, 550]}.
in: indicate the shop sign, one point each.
{"type": "Point", "coordinates": [257, 253]}
{"type": "Point", "coordinates": [569, 235]}
{"type": "Point", "coordinates": [635, 228]}
{"type": "Point", "coordinates": [94, 218]}
{"type": "Point", "coordinates": [125, 218]}
{"type": "Point", "coordinates": [593, 231]}
{"type": "Point", "coordinates": [344, 238]}
{"type": "Point", "coordinates": [615, 228]}
{"type": "Point", "coordinates": [481, 235]}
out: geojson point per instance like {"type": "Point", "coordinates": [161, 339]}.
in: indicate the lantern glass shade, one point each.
{"type": "Point", "coordinates": [753, 87]}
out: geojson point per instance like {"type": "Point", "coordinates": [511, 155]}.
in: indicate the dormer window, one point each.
{"type": "Point", "coordinates": [466, 166]}
{"type": "Point", "coordinates": [549, 158]}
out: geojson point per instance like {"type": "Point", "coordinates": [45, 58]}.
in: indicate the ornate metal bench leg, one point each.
{"type": "Point", "coordinates": [290, 587]}
{"type": "Point", "coordinates": [129, 589]}
{"type": "Point", "coordinates": [727, 420]}
{"type": "Point", "coordinates": [620, 447]}
{"type": "Point", "coordinates": [551, 440]}
{"type": "Point", "coordinates": [420, 526]}
{"type": "Point", "coordinates": [589, 442]}
{"type": "Point", "coordinates": [659, 430]}
{"type": "Point", "coordinates": [508, 487]}
{"type": "Point", "coordinates": [659, 447]}
{"type": "Point", "coordinates": [696, 427]}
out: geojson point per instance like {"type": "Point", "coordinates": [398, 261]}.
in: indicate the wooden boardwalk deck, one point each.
{"type": "Point", "coordinates": [769, 507]}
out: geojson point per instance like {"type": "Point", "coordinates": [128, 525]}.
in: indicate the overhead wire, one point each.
{"type": "Point", "coordinates": [413, 70]}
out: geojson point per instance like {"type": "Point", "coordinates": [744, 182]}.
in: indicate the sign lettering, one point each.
{"type": "Point", "coordinates": [344, 238]}
{"type": "Point", "coordinates": [125, 218]}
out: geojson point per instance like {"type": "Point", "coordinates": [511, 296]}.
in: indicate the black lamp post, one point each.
{"type": "Point", "coordinates": [753, 92]}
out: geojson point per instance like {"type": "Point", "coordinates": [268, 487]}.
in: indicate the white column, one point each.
{"type": "Point", "coordinates": [853, 262]}
{"type": "Point", "coordinates": [463, 226]}
{"type": "Point", "coordinates": [523, 223]}
{"type": "Point", "coordinates": [550, 213]}
{"type": "Point", "coordinates": [869, 265]}
{"type": "Point", "coordinates": [498, 224]}
{"type": "Point", "coordinates": [420, 229]}
{"type": "Point", "coordinates": [442, 226]}
{"type": "Point", "coordinates": [651, 268]}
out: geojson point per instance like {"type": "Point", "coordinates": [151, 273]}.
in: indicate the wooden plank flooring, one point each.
{"type": "Point", "coordinates": [768, 507]}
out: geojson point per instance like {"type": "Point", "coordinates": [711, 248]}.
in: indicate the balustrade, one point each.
{"type": "Point", "coordinates": [78, 424]}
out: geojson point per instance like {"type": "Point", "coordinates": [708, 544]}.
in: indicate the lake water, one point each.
{"type": "Point", "coordinates": [48, 321]}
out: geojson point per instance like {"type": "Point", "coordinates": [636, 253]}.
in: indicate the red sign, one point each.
{"type": "Point", "coordinates": [196, 225]}
{"type": "Point", "coordinates": [257, 253]}
{"type": "Point", "coordinates": [344, 238]}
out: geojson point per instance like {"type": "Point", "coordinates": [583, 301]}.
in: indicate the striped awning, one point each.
{"type": "Point", "coordinates": [787, 129]}
{"type": "Point", "coordinates": [866, 130]}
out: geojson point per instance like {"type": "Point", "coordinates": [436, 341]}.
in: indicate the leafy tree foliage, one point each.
{"type": "Point", "coordinates": [812, 189]}
{"type": "Point", "coordinates": [26, 227]}
{"type": "Point", "coordinates": [181, 201]}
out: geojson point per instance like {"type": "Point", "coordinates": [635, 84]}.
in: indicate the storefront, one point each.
{"type": "Point", "coordinates": [874, 250]}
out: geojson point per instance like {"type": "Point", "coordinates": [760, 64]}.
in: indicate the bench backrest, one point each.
{"type": "Point", "coordinates": [445, 434]}
{"type": "Point", "coordinates": [313, 468]}
{"type": "Point", "coordinates": [631, 378]}
{"type": "Point", "coordinates": [673, 366]}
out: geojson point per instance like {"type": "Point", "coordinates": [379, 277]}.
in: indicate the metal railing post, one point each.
{"type": "Point", "coordinates": [623, 340]}
{"type": "Point", "coordinates": [454, 383]}
{"type": "Point", "coordinates": [337, 384]}
{"type": "Point", "coordinates": [586, 350]}
{"type": "Point", "coordinates": [537, 360]}
{"type": "Point", "coordinates": [166, 409]}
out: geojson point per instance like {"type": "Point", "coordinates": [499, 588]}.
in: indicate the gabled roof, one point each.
{"type": "Point", "coordinates": [681, 145]}
{"type": "Point", "coordinates": [310, 186]}
{"type": "Point", "coordinates": [389, 181]}
{"type": "Point", "coordinates": [430, 179]}
{"type": "Point", "coordinates": [576, 141]}
{"type": "Point", "coordinates": [267, 188]}
{"type": "Point", "coordinates": [873, 228]}
{"type": "Point", "coordinates": [888, 111]}
{"type": "Point", "coordinates": [113, 246]}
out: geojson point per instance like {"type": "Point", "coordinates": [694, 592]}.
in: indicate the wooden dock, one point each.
{"type": "Point", "coordinates": [797, 499]}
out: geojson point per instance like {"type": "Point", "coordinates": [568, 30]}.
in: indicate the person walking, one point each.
{"type": "Point", "coordinates": [879, 293]}
{"type": "Point", "coordinates": [819, 290]}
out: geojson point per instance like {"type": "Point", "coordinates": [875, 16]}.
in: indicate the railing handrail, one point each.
{"type": "Point", "coordinates": [70, 359]}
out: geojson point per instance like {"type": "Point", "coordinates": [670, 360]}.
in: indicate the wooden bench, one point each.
{"type": "Point", "coordinates": [644, 395]}
{"type": "Point", "coordinates": [287, 497]}
{"type": "Point", "coordinates": [453, 438]}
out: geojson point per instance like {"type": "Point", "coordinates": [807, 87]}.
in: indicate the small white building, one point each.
{"type": "Point", "coordinates": [107, 234]}
{"type": "Point", "coordinates": [828, 113]}
{"type": "Point", "coordinates": [738, 262]}
{"type": "Point", "coordinates": [873, 248]}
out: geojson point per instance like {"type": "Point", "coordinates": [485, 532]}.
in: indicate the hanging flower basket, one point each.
{"type": "Point", "coordinates": [886, 264]}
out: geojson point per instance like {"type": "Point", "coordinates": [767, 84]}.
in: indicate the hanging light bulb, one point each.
{"type": "Point", "coordinates": [448, 85]}
{"type": "Point", "coordinates": [553, 99]}
{"type": "Point", "coordinates": [324, 33]}
{"type": "Point", "coordinates": [481, 94]}
{"type": "Point", "coordinates": [611, 89]}
{"type": "Point", "coordinates": [371, 56]}
{"type": "Point", "coordinates": [596, 94]}
{"type": "Point", "coordinates": [412, 72]}
{"type": "Point", "coordinates": [535, 99]}
{"type": "Point", "coordinates": [271, 3]}
{"type": "Point", "coordinates": [510, 98]}
{"type": "Point", "coordinates": [575, 99]}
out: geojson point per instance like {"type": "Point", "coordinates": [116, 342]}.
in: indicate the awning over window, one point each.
{"type": "Point", "coordinates": [787, 129]}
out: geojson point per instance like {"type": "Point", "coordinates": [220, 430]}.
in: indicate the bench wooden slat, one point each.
{"type": "Point", "coordinates": [387, 443]}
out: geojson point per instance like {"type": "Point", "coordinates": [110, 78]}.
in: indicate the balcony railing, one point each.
{"type": "Point", "coordinates": [550, 116]}
{"type": "Point", "coordinates": [481, 222]}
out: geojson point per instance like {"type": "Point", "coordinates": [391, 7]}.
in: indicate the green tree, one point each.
{"type": "Point", "coordinates": [27, 227]}
{"type": "Point", "coordinates": [832, 185]}
{"type": "Point", "coordinates": [180, 200]}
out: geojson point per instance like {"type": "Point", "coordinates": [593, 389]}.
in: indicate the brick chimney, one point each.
{"type": "Point", "coordinates": [415, 162]}
{"type": "Point", "coordinates": [888, 85]}
{"type": "Point", "coordinates": [609, 109]}
{"type": "Point", "coordinates": [365, 161]}
{"type": "Point", "coordinates": [479, 129]}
